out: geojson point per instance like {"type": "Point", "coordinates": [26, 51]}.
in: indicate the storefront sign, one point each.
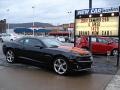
{"type": "Point", "coordinates": [104, 24]}
{"type": "Point", "coordinates": [97, 11]}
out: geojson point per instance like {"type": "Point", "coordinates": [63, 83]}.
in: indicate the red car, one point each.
{"type": "Point", "coordinates": [99, 45]}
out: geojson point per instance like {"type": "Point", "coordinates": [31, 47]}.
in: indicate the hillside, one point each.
{"type": "Point", "coordinates": [27, 25]}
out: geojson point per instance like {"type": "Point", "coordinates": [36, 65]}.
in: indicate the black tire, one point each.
{"type": "Point", "coordinates": [60, 66]}
{"type": "Point", "coordinates": [114, 52]}
{"type": "Point", "coordinates": [10, 56]}
{"type": "Point", "coordinates": [11, 39]}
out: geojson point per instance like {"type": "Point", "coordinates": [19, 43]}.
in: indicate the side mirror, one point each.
{"type": "Point", "coordinates": [110, 42]}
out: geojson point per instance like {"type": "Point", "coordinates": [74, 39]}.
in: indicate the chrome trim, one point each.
{"type": "Point", "coordinates": [84, 61]}
{"type": "Point", "coordinates": [81, 69]}
{"type": "Point", "coordinates": [30, 59]}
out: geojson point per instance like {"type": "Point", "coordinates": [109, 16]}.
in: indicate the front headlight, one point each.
{"type": "Point", "coordinates": [91, 58]}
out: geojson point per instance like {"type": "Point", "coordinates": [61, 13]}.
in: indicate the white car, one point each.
{"type": "Point", "coordinates": [61, 39]}
{"type": "Point", "coordinates": [71, 40]}
{"type": "Point", "coordinates": [9, 37]}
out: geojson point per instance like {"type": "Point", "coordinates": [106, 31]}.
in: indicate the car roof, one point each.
{"type": "Point", "coordinates": [38, 37]}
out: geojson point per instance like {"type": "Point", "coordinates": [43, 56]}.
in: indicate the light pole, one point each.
{"type": "Point", "coordinates": [69, 30]}
{"type": "Point", "coordinates": [90, 4]}
{"type": "Point", "coordinates": [7, 20]}
{"type": "Point", "coordinates": [90, 7]}
{"type": "Point", "coordinates": [33, 24]}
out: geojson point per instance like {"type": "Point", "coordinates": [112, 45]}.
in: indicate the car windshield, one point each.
{"type": "Point", "coordinates": [113, 39]}
{"type": "Point", "coordinates": [51, 42]}
{"type": "Point", "coordinates": [5, 35]}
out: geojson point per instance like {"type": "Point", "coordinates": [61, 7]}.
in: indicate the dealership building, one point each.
{"type": "Point", "coordinates": [3, 26]}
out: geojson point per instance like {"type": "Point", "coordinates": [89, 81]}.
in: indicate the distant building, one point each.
{"type": "Point", "coordinates": [62, 30]}
{"type": "Point", "coordinates": [71, 27]}
{"type": "Point", "coordinates": [65, 27]}
{"type": "Point", "coordinates": [55, 28]}
{"type": "Point", "coordinates": [3, 26]}
{"type": "Point", "coordinates": [68, 26]}
{"type": "Point", "coordinates": [29, 31]}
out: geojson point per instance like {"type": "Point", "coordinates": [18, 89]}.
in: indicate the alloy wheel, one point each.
{"type": "Point", "coordinates": [60, 66]}
{"type": "Point", "coordinates": [115, 52]}
{"type": "Point", "coordinates": [10, 56]}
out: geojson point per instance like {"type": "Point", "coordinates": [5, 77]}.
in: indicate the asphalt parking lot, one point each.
{"type": "Point", "coordinates": [29, 76]}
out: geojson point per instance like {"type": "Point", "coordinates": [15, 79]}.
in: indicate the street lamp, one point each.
{"type": "Point", "coordinates": [33, 19]}
{"type": "Point", "coordinates": [90, 7]}
{"type": "Point", "coordinates": [7, 20]}
{"type": "Point", "coordinates": [69, 30]}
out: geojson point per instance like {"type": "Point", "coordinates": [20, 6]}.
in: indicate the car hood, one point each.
{"type": "Point", "coordinates": [68, 49]}
{"type": "Point", "coordinates": [75, 50]}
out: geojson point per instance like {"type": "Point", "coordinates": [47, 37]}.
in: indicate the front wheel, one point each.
{"type": "Point", "coordinates": [60, 66]}
{"type": "Point", "coordinates": [10, 56]}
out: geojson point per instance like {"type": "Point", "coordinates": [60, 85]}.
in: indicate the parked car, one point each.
{"type": "Point", "coordinates": [115, 39]}
{"type": "Point", "coordinates": [9, 37]}
{"type": "Point", "coordinates": [61, 39]}
{"type": "Point", "coordinates": [71, 40]}
{"type": "Point", "coordinates": [50, 52]}
{"type": "Point", "coordinates": [100, 45]}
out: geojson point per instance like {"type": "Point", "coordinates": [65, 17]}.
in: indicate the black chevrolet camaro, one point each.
{"type": "Point", "coordinates": [48, 51]}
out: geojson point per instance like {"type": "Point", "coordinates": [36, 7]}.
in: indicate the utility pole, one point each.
{"type": "Point", "coordinates": [69, 23]}
{"type": "Point", "coordinates": [90, 4]}
{"type": "Point", "coordinates": [118, 59]}
{"type": "Point", "coordinates": [33, 21]}
{"type": "Point", "coordinates": [90, 7]}
{"type": "Point", "coordinates": [7, 20]}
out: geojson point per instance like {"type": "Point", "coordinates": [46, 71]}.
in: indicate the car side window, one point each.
{"type": "Point", "coordinates": [93, 39]}
{"type": "Point", "coordinates": [102, 41]}
{"type": "Point", "coordinates": [87, 38]}
{"type": "Point", "coordinates": [32, 42]}
{"type": "Point", "coordinates": [21, 41]}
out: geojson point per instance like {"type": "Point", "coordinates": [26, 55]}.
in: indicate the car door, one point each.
{"type": "Point", "coordinates": [102, 46]}
{"type": "Point", "coordinates": [31, 48]}
{"type": "Point", "coordinates": [19, 48]}
{"type": "Point", "coordinates": [6, 37]}
{"type": "Point", "coordinates": [94, 44]}
{"type": "Point", "coordinates": [35, 50]}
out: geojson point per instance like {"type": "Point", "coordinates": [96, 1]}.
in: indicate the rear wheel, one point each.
{"type": "Point", "coordinates": [60, 66]}
{"type": "Point", "coordinates": [10, 56]}
{"type": "Point", "coordinates": [115, 52]}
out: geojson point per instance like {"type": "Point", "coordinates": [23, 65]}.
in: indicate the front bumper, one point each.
{"type": "Point", "coordinates": [80, 65]}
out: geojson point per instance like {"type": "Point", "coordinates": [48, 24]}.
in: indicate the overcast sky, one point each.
{"type": "Point", "coordinates": [49, 11]}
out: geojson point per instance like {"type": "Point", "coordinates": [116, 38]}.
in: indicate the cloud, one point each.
{"type": "Point", "coordinates": [52, 11]}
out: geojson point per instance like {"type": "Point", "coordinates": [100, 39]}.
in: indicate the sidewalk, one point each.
{"type": "Point", "coordinates": [114, 83]}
